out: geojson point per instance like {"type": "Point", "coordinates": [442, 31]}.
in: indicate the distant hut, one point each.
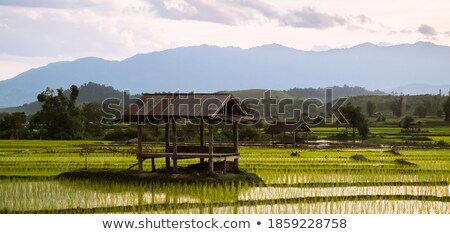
{"type": "Point", "coordinates": [417, 126]}
{"type": "Point", "coordinates": [203, 108]}
{"type": "Point", "coordinates": [291, 127]}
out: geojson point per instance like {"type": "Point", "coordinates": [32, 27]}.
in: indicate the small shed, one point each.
{"type": "Point", "coordinates": [417, 126]}
{"type": "Point", "coordinates": [202, 108]}
{"type": "Point", "coordinates": [283, 127]}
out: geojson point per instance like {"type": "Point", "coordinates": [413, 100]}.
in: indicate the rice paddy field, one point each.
{"type": "Point", "coordinates": [336, 181]}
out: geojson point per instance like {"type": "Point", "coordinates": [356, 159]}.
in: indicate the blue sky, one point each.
{"type": "Point", "coordinates": [35, 33]}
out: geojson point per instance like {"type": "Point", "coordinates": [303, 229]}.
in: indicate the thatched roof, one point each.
{"type": "Point", "coordinates": [185, 105]}
{"type": "Point", "coordinates": [280, 127]}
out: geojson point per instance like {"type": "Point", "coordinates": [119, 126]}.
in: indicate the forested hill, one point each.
{"type": "Point", "coordinates": [345, 91]}
{"type": "Point", "coordinates": [90, 92]}
{"type": "Point", "coordinates": [93, 92]}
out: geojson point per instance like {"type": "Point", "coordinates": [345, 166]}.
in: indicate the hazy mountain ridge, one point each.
{"type": "Point", "coordinates": [211, 68]}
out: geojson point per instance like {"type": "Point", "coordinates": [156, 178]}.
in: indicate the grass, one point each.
{"type": "Point", "coordinates": [316, 181]}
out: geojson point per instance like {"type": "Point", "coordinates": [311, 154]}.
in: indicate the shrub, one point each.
{"type": "Point", "coordinates": [441, 143]}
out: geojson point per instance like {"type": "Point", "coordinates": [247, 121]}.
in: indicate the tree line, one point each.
{"type": "Point", "coordinates": [61, 118]}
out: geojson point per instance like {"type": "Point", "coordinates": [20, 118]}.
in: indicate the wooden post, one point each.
{"type": "Point", "coordinates": [235, 143]}
{"type": "Point", "coordinates": [225, 165]}
{"type": "Point", "coordinates": [175, 165]}
{"type": "Point", "coordinates": [167, 138]}
{"type": "Point", "coordinates": [211, 147]}
{"type": "Point", "coordinates": [153, 164]}
{"type": "Point", "coordinates": [139, 147]}
{"type": "Point", "coordinates": [174, 145]}
{"type": "Point", "coordinates": [202, 137]}
{"type": "Point", "coordinates": [235, 137]}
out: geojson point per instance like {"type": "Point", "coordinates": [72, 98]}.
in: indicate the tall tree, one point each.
{"type": "Point", "coordinates": [370, 106]}
{"type": "Point", "coordinates": [355, 119]}
{"type": "Point", "coordinates": [421, 111]}
{"type": "Point", "coordinates": [13, 124]}
{"type": "Point", "coordinates": [397, 106]}
{"type": "Point", "coordinates": [446, 108]}
{"type": "Point", "coordinates": [59, 117]}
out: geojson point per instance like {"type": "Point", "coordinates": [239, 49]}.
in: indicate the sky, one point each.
{"type": "Point", "coordinates": [34, 33]}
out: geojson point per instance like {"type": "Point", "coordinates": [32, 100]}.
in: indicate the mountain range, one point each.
{"type": "Point", "coordinates": [211, 69]}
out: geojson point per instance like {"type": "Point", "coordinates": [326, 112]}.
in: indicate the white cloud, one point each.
{"type": "Point", "coordinates": [76, 32]}
{"type": "Point", "coordinates": [33, 14]}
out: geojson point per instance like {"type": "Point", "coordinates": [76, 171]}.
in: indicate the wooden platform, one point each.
{"type": "Point", "coordinates": [221, 156]}
{"type": "Point", "coordinates": [216, 157]}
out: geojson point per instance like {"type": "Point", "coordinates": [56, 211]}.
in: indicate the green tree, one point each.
{"type": "Point", "coordinates": [91, 114]}
{"type": "Point", "coordinates": [363, 129]}
{"type": "Point", "coordinates": [248, 133]}
{"type": "Point", "coordinates": [446, 109]}
{"type": "Point", "coordinates": [397, 106]}
{"type": "Point", "coordinates": [406, 122]}
{"type": "Point", "coordinates": [370, 106]}
{"type": "Point", "coordinates": [421, 111]}
{"type": "Point", "coordinates": [59, 117]}
{"type": "Point", "coordinates": [355, 119]}
{"type": "Point", "coordinates": [13, 124]}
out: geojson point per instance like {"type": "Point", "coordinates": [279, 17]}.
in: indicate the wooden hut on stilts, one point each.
{"type": "Point", "coordinates": [170, 110]}
{"type": "Point", "coordinates": [292, 127]}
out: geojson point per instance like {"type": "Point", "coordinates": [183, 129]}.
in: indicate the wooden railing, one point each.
{"type": "Point", "coordinates": [199, 149]}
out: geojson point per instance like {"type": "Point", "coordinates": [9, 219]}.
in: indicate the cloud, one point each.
{"type": "Point", "coordinates": [263, 8]}
{"type": "Point", "coordinates": [399, 32]}
{"type": "Point", "coordinates": [385, 44]}
{"type": "Point", "coordinates": [53, 32]}
{"type": "Point", "coordinates": [319, 48]}
{"type": "Point", "coordinates": [427, 30]}
{"type": "Point", "coordinates": [362, 19]}
{"type": "Point", "coordinates": [235, 12]}
{"type": "Point", "coordinates": [208, 11]}
{"type": "Point", "coordinates": [309, 17]}
{"type": "Point", "coordinates": [47, 3]}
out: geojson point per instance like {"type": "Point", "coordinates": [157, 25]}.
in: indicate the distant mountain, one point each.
{"type": "Point", "coordinates": [417, 89]}
{"type": "Point", "coordinates": [211, 69]}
